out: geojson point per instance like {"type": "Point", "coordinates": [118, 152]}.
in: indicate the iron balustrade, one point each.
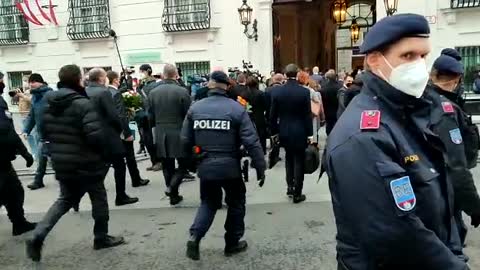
{"type": "Point", "coordinates": [89, 19]}
{"type": "Point", "coordinates": [14, 28]}
{"type": "Point", "coordinates": [465, 3]}
{"type": "Point", "coordinates": [186, 15]}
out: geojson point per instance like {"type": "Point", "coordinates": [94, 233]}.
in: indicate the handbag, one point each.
{"type": "Point", "coordinates": [312, 159]}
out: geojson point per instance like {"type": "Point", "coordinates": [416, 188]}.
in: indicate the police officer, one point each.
{"type": "Point", "coordinates": [12, 194]}
{"type": "Point", "coordinates": [391, 196]}
{"type": "Point", "coordinates": [216, 127]}
{"type": "Point", "coordinates": [448, 122]}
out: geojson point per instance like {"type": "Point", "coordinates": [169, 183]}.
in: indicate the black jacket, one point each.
{"type": "Point", "coordinates": [291, 115]}
{"type": "Point", "coordinates": [10, 143]}
{"type": "Point", "coordinates": [259, 109]}
{"type": "Point", "coordinates": [122, 111]}
{"type": "Point", "coordinates": [268, 99]}
{"type": "Point", "coordinates": [102, 101]}
{"type": "Point", "coordinates": [330, 100]}
{"type": "Point", "coordinates": [448, 125]}
{"type": "Point", "coordinates": [242, 91]}
{"type": "Point", "coordinates": [392, 200]}
{"type": "Point", "coordinates": [219, 126]}
{"type": "Point", "coordinates": [75, 137]}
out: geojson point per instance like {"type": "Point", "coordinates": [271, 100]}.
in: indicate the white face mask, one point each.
{"type": "Point", "coordinates": [142, 76]}
{"type": "Point", "coordinates": [410, 78]}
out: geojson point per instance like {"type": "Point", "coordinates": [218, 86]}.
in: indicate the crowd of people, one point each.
{"type": "Point", "coordinates": [398, 156]}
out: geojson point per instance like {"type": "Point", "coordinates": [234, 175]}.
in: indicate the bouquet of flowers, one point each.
{"type": "Point", "coordinates": [245, 104]}
{"type": "Point", "coordinates": [133, 102]}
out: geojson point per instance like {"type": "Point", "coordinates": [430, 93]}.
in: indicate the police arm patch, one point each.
{"type": "Point", "coordinates": [403, 194]}
{"type": "Point", "coordinates": [370, 119]}
{"type": "Point", "coordinates": [456, 136]}
{"type": "Point", "coordinates": [447, 107]}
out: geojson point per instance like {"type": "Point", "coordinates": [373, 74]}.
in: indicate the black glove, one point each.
{"type": "Point", "coordinates": [475, 220]}
{"type": "Point", "coordinates": [29, 159]}
{"type": "Point", "coordinates": [261, 177]}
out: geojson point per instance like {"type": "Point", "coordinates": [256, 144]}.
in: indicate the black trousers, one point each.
{"type": "Point", "coordinates": [330, 123]}
{"type": "Point", "coordinates": [120, 173]}
{"type": "Point", "coordinates": [211, 197]}
{"type": "Point", "coordinates": [12, 195]}
{"type": "Point", "coordinates": [146, 138]}
{"type": "Point", "coordinates": [173, 177]}
{"type": "Point", "coordinates": [295, 166]}
{"type": "Point", "coordinates": [71, 194]}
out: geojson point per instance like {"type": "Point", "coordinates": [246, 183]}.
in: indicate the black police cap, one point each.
{"type": "Point", "coordinates": [219, 77]}
{"type": "Point", "coordinates": [391, 29]}
{"type": "Point", "coordinates": [448, 64]}
{"type": "Point", "coordinates": [452, 53]}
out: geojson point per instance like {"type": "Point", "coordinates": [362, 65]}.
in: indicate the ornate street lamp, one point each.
{"type": "Point", "coordinates": [245, 12]}
{"type": "Point", "coordinates": [339, 11]}
{"type": "Point", "coordinates": [354, 31]}
{"type": "Point", "coordinates": [391, 6]}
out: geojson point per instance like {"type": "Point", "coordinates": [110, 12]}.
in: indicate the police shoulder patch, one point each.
{"type": "Point", "coordinates": [370, 119]}
{"type": "Point", "coordinates": [403, 194]}
{"type": "Point", "coordinates": [448, 107]}
{"type": "Point", "coordinates": [456, 136]}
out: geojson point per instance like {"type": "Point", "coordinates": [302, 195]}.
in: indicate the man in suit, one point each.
{"type": "Point", "coordinates": [291, 118]}
{"type": "Point", "coordinates": [127, 137]}
{"type": "Point", "coordinates": [274, 155]}
{"type": "Point", "coordinates": [169, 104]}
{"type": "Point", "coordinates": [330, 101]}
{"type": "Point", "coordinates": [102, 100]}
{"type": "Point", "coordinates": [241, 89]}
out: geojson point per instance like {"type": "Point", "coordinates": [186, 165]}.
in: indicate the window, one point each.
{"type": "Point", "coordinates": [193, 68]}
{"type": "Point", "coordinates": [15, 79]}
{"type": "Point", "coordinates": [89, 19]}
{"type": "Point", "coordinates": [471, 62]}
{"type": "Point", "coordinates": [465, 3]}
{"type": "Point", "coordinates": [13, 26]}
{"type": "Point", "coordinates": [186, 15]}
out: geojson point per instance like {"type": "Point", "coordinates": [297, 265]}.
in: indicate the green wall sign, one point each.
{"type": "Point", "coordinates": [143, 58]}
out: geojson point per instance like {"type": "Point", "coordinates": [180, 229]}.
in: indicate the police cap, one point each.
{"type": "Point", "coordinates": [448, 64]}
{"type": "Point", "coordinates": [391, 29]}
{"type": "Point", "coordinates": [452, 53]}
{"type": "Point", "coordinates": [219, 77]}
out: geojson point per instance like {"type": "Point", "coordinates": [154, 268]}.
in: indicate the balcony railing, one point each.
{"type": "Point", "coordinates": [186, 15]}
{"type": "Point", "coordinates": [89, 19]}
{"type": "Point", "coordinates": [465, 3]}
{"type": "Point", "coordinates": [13, 26]}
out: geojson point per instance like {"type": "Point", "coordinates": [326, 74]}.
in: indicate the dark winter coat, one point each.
{"type": "Point", "coordinates": [259, 107]}
{"type": "Point", "coordinates": [330, 100]}
{"type": "Point", "coordinates": [75, 136]}
{"type": "Point", "coordinates": [102, 101]}
{"type": "Point", "coordinates": [169, 104]}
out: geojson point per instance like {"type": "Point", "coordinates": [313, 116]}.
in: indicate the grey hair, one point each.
{"type": "Point", "coordinates": [331, 75]}
{"type": "Point", "coordinates": [95, 74]}
{"type": "Point", "coordinates": [170, 71]}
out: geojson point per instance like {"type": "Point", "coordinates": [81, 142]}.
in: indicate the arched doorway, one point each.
{"type": "Point", "coordinates": [304, 33]}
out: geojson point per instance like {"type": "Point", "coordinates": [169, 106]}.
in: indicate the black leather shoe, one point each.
{"type": "Point", "coordinates": [174, 200]}
{"type": "Point", "coordinates": [299, 198]}
{"type": "Point", "coordinates": [232, 250]}
{"type": "Point", "coordinates": [141, 183]}
{"type": "Point", "coordinates": [35, 186]}
{"type": "Point", "coordinates": [19, 229]}
{"type": "Point", "coordinates": [193, 250]}
{"type": "Point", "coordinates": [290, 192]}
{"type": "Point", "coordinates": [126, 200]}
{"type": "Point", "coordinates": [108, 242]}
{"type": "Point", "coordinates": [34, 250]}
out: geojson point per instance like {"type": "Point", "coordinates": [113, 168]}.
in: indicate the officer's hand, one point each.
{"type": "Point", "coordinates": [29, 159]}
{"type": "Point", "coordinates": [475, 220]}
{"type": "Point", "coordinates": [261, 177]}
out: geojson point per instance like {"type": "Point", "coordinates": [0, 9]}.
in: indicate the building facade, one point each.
{"type": "Point", "coordinates": [198, 35]}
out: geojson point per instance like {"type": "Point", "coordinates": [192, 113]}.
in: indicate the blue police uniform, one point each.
{"type": "Point", "coordinates": [448, 121]}
{"type": "Point", "coordinates": [218, 126]}
{"type": "Point", "coordinates": [392, 201]}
